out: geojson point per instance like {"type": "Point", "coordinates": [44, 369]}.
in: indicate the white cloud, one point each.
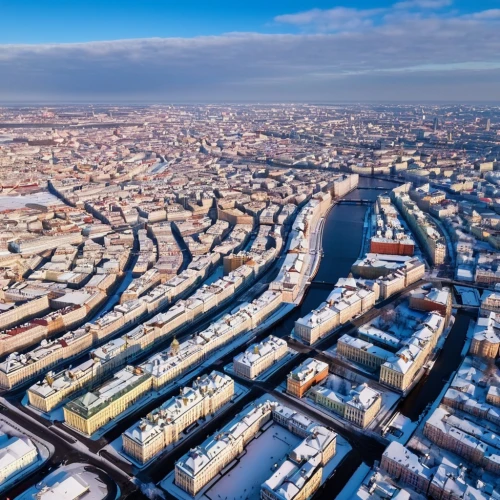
{"type": "Point", "coordinates": [486, 14]}
{"type": "Point", "coordinates": [408, 58]}
{"type": "Point", "coordinates": [339, 18]}
{"type": "Point", "coordinates": [423, 4]}
{"type": "Point", "coordinates": [351, 19]}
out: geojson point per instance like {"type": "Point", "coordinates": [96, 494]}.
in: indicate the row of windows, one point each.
{"type": "Point", "coordinates": [360, 357]}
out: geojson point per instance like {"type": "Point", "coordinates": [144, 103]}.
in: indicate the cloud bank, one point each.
{"type": "Point", "coordinates": [409, 52]}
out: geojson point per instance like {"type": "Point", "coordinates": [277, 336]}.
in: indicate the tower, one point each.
{"type": "Point", "coordinates": [174, 346]}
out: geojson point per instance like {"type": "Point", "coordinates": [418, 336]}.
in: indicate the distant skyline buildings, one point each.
{"type": "Point", "coordinates": [152, 51]}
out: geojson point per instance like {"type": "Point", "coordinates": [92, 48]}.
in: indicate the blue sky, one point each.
{"type": "Point", "coordinates": [66, 21]}
{"type": "Point", "coordinates": [154, 50]}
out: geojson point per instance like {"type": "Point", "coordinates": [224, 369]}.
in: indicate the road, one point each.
{"type": "Point", "coordinates": [85, 450]}
{"type": "Point", "coordinates": [65, 451]}
{"type": "Point", "coordinates": [365, 447]}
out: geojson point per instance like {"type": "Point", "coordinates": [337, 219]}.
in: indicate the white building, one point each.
{"type": "Point", "coordinates": [349, 298]}
{"type": "Point", "coordinates": [71, 487]}
{"type": "Point", "coordinates": [15, 455]}
{"type": "Point", "coordinates": [259, 357]}
{"type": "Point", "coordinates": [163, 426]}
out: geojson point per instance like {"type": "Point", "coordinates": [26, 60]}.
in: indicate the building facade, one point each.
{"type": "Point", "coordinates": [310, 372]}
{"type": "Point", "coordinates": [95, 409]}
{"type": "Point", "coordinates": [162, 426]}
{"type": "Point", "coordinates": [259, 357]}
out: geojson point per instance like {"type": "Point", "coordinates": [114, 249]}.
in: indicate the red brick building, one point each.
{"type": "Point", "coordinates": [391, 247]}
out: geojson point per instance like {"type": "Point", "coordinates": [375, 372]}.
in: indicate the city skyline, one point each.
{"type": "Point", "coordinates": [413, 50]}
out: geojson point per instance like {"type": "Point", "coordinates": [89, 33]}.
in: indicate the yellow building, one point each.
{"type": "Point", "coordinates": [399, 371]}
{"type": "Point", "coordinates": [163, 426]}
{"type": "Point", "coordinates": [359, 404]}
{"type": "Point", "coordinates": [94, 409]}
{"type": "Point", "coordinates": [259, 357]}
{"type": "Point", "coordinates": [486, 342]}
{"type": "Point", "coordinates": [50, 392]}
{"type": "Point", "coordinates": [19, 368]}
{"type": "Point", "coordinates": [22, 312]}
{"type": "Point", "coordinates": [16, 455]}
{"type": "Point", "coordinates": [362, 352]}
{"type": "Point", "coordinates": [303, 467]}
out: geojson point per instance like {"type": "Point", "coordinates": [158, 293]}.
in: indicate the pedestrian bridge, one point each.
{"type": "Point", "coordinates": [378, 188]}
{"type": "Point", "coordinates": [322, 284]}
{"type": "Point", "coordinates": [355, 202]}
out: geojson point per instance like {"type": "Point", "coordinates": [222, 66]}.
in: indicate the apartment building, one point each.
{"type": "Point", "coordinates": [378, 486]}
{"type": "Point", "coordinates": [386, 244]}
{"type": "Point", "coordinates": [404, 465]}
{"type": "Point", "coordinates": [163, 426]}
{"type": "Point", "coordinates": [200, 465]}
{"type": "Point", "coordinates": [344, 184]}
{"type": "Point", "coordinates": [474, 390]}
{"type": "Point", "coordinates": [50, 392]}
{"type": "Point", "coordinates": [440, 478]}
{"type": "Point", "coordinates": [347, 299]}
{"type": "Point", "coordinates": [302, 378]}
{"type": "Point", "coordinates": [259, 357]}
{"type": "Point", "coordinates": [316, 324]}
{"type": "Point", "coordinates": [432, 300]}
{"type": "Point", "coordinates": [269, 215]}
{"type": "Point", "coordinates": [469, 440]}
{"type": "Point", "coordinates": [289, 278]}
{"type": "Point", "coordinates": [20, 313]}
{"type": "Point", "coordinates": [423, 227]}
{"type": "Point", "coordinates": [391, 284]}
{"type": "Point", "coordinates": [169, 364]}
{"type": "Point", "coordinates": [374, 266]}
{"type": "Point", "coordinates": [350, 298]}
{"type": "Point", "coordinates": [358, 404]}
{"type": "Point", "coordinates": [379, 337]}
{"type": "Point", "coordinates": [301, 474]}
{"type": "Point", "coordinates": [486, 340]}
{"type": "Point", "coordinates": [139, 286]}
{"type": "Point", "coordinates": [42, 243]}
{"type": "Point", "coordinates": [17, 338]}
{"type": "Point", "coordinates": [490, 302]}
{"type": "Point", "coordinates": [94, 409]}
{"type": "Point", "coordinates": [390, 236]}
{"type": "Point", "coordinates": [399, 371]}
{"type": "Point", "coordinates": [362, 352]}
{"type": "Point", "coordinates": [19, 368]}
{"type": "Point", "coordinates": [16, 454]}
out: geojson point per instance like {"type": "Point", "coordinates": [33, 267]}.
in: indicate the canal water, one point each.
{"type": "Point", "coordinates": [429, 387]}
{"type": "Point", "coordinates": [342, 240]}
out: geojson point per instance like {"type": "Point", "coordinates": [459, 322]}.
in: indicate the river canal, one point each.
{"type": "Point", "coordinates": [342, 239]}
